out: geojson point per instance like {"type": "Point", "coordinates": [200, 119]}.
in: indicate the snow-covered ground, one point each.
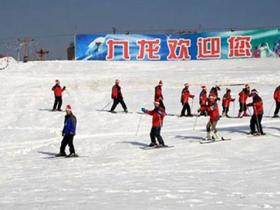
{"type": "Point", "coordinates": [113, 172]}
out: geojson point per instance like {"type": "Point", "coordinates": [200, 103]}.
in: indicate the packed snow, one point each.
{"type": "Point", "coordinates": [113, 171]}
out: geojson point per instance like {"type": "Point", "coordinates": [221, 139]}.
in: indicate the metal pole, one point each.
{"type": "Point", "coordinates": [139, 123]}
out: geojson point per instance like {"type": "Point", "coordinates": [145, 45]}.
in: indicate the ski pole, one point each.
{"type": "Point", "coordinates": [271, 109]}
{"type": "Point", "coordinates": [233, 110]}
{"type": "Point", "coordinates": [67, 92]}
{"type": "Point", "coordinates": [195, 122]}
{"type": "Point", "coordinates": [106, 105]}
{"type": "Point", "coordinates": [192, 104]}
{"type": "Point", "coordinates": [138, 126]}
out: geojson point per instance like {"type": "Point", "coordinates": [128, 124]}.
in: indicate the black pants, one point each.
{"type": "Point", "coordinates": [67, 140]}
{"type": "Point", "coordinates": [155, 134]}
{"type": "Point", "coordinates": [277, 108]}
{"type": "Point", "coordinates": [225, 110]}
{"type": "Point", "coordinates": [256, 121]}
{"type": "Point", "coordinates": [243, 107]}
{"type": "Point", "coordinates": [116, 102]}
{"type": "Point", "coordinates": [57, 103]}
{"type": "Point", "coordinates": [186, 106]}
{"type": "Point", "coordinates": [203, 110]}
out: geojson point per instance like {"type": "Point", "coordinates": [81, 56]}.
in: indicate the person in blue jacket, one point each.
{"type": "Point", "coordinates": [68, 133]}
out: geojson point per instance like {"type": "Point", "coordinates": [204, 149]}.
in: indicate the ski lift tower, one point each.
{"type": "Point", "coordinates": [25, 43]}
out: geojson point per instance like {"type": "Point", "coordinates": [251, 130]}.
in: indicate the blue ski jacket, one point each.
{"type": "Point", "coordinates": [70, 123]}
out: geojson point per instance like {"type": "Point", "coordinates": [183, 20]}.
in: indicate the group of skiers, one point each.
{"type": "Point", "coordinates": [208, 107]}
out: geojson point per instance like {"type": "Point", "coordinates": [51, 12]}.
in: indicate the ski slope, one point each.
{"type": "Point", "coordinates": [113, 172]}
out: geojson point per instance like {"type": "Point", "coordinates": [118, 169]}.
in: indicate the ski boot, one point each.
{"type": "Point", "coordinates": [72, 155]}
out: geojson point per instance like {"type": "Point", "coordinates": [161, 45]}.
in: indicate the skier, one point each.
{"type": "Point", "coordinates": [68, 133]}
{"type": "Point", "coordinates": [214, 116]}
{"type": "Point", "coordinates": [158, 114]}
{"type": "Point", "coordinates": [117, 97]}
{"type": "Point", "coordinates": [57, 95]}
{"type": "Point", "coordinates": [203, 101]}
{"type": "Point", "coordinates": [256, 52]}
{"type": "Point", "coordinates": [185, 95]}
{"type": "Point", "coordinates": [256, 119]}
{"type": "Point", "coordinates": [243, 95]}
{"type": "Point", "coordinates": [276, 96]}
{"type": "Point", "coordinates": [158, 94]}
{"type": "Point", "coordinates": [226, 102]}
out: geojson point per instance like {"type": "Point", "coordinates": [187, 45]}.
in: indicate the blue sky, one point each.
{"type": "Point", "coordinates": [53, 23]}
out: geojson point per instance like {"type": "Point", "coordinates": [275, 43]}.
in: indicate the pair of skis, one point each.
{"type": "Point", "coordinates": [213, 140]}
{"type": "Point", "coordinates": [156, 147]}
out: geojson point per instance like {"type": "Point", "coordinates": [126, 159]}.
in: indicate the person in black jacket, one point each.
{"type": "Point", "coordinates": [68, 133]}
{"type": "Point", "coordinates": [117, 97]}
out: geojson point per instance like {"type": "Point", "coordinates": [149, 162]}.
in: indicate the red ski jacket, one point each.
{"type": "Point", "coordinates": [158, 93]}
{"type": "Point", "coordinates": [213, 111]}
{"type": "Point", "coordinates": [277, 94]}
{"type": "Point", "coordinates": [158, 115]}
{"type": "Point", "coordinates": [203, 98]}
{"type": "Point", "coordinates": [57, 90]}
{"type": "Point", "coordinates": [186, 95]}
{"type": "Point", "coordinates": [116, 92]}
{"type": "Point", "coordinates": [243, 95]}
{"type": "Point", "coordinates": [257, 105]}
{"type": "Point", "coordinates": [226, 100]}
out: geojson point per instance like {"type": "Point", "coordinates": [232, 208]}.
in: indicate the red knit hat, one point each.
{"type": "Point", "coordinates": [68, 108]}
{"type": "Point", "coordinates": [56, 81]}
{"type": "Point", "coordinates": [160, 82]}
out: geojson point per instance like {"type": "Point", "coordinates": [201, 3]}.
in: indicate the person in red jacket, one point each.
{"type": "Point", "coordinates": [243, 95]}
{"type": "Point", "coordinates": [226, 102]}
{"type": "Point", "coordinates": [256, 119]}
{"type": "Point", "coordinates": [185, 95]}
{"type": "Point", "coordinates": [57, 95]}
{"type": "Point", "coordinates": [158, 114]}
{"type": "Point", "coordinates": [158, 94]}
{"type": "Point", "coordinates": [117, 97]}
{"type": "Point", "coordinates": [203, 100]}
{"type": "Point", "coordinates": [214, 116]}
{"type": "Point", "coordinates": [276, 97]}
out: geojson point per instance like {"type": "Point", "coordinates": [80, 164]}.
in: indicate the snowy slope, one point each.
{"type": "Point", "coordinates": [114, 173]}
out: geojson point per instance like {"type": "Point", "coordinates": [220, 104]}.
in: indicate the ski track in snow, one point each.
{"type": "Point", "coordinates": [113, 172]}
